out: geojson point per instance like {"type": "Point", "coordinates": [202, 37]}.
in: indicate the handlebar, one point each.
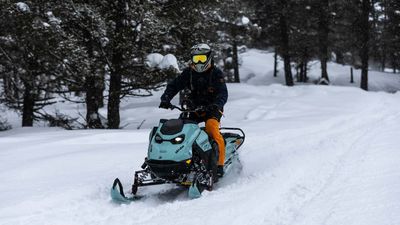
{"type": "Point", "coordinates": [188, 110]}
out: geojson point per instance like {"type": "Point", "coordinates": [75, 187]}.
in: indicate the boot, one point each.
{"type": "Point", "coordinates": [220, 171]}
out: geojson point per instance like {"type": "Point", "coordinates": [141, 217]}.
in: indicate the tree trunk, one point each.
{"type": "Point", "coordinates": [297, 76]}
{"type": "Point", "coordinates": [235, 61]}
{"type": "Point", "coordinates": [305, 71]}
{"type": "Point", "coordinates": [92, 89]}
{"type": "Point", "coordinates": [394, 64]}
{"type": "Point", "coordinates": [100, 87]}
{"type": "Point", "coordinates": [7, 85]}
{"type": "Point", "coordinates": [323, 31]}
{"type": "Point", "coordinates": [113, 115]}
{"type": "Point", "coordinates": [365, 27]}
{"type": "Point", "coordinates": [285, 45]}
{"type": "Point", "coordinates": [383, 62]}
{"type": "Point", "coordinates": [300, 74]}
{"type": "Point", "coordinates": [304, 62]}
{"type": "Point", "coordinates": [374, 39]}
{"type": "Point", "coordinates": [339, 57]}
{"type": "Point", "coordinates": [351, 75]}
{"type": "Point", "coordinates": [275, 64]}
{"type": "Point", "coordinates": [92, 105]}
{"type": "Point", "coordinates": [28, 106]}
{"type": "Point", "coordinates": [383, 37]}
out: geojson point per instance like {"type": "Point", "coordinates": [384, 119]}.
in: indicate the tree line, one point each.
{"type": "Point", "coordinates": [362, 33]}
{"type": "Point", "coordinates": [94, 52]}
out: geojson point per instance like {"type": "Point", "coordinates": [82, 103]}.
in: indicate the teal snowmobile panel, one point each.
{"type": "Point", "coordinates": [230, 147]}
{"type": "Point", "coordinates": [203, 141]}
{"type": "Point", "coordinates": [171, 146]}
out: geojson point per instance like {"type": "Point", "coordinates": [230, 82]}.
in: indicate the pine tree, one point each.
{"type": "Point", "coordinates": [106, 42]}
{"type": "Point", "coordinates": [323, 32]}
{"type": "Point", "coordinates": [364, 28]}
{"type": "Point", "coordinates": [132, 30]}
{"type": "Point", "coordinates": [304, 35]}
{"type": "Point", "coordinates": [233, 28]}
{"type": "Point", "coordinates": [393, 33]}
{"type": "Point", "coordinates": [275, 19]}
{"type": "Point", "coordinates": [81, 53]}
{"type": "Point", "coordinates": [28, 33]}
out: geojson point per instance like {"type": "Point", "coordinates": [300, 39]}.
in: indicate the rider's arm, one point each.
{"type": "Point", "coordinates": [222, 91]}
{"type": "Point", "coordinates": [176, 85]}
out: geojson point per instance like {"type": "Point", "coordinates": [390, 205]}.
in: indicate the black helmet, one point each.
{"type": "Point", "coordinates": [201, 57]}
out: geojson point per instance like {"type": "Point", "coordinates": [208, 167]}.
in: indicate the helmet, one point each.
{"type": "Point", "coordinates": [201, 57]}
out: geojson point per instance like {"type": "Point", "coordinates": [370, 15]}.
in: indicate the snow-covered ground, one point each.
{"type": "Point", "coordinates": [313, 155]}
{"type": "Point", "coordinates": [258, 66]}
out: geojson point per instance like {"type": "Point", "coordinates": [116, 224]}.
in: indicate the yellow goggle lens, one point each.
{"type": "Point", "coordinates": [199, 58]}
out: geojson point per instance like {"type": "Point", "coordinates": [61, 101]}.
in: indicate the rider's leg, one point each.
{"type": "Point", "coordinates": [212, 129]}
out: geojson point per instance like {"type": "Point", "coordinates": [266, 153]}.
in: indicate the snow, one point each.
{"type": "Point", "coordinates": [23, 7]}
{"type": "Point", "coordinates": [169, 61]}
{"type": "Point", "coordinates": [45, 24]}
{"type": "Point", "coordinates": [245, 20]}
{"type": "Point", "coordinates": [104, 41]}
{"type": "Point", "coordinates": [312, 155]}
{"type": "Point", "coordinates": [156, 60]}
{"type": "Point", "coordinates": [52, 18]}
{"type": "Point", "coordinates": [258, 66]}
{"type": "Point", "coordinates": [167, 47]}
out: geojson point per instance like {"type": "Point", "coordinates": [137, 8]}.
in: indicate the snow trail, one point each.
{"type": "Point", "coordinates": [312, 155]}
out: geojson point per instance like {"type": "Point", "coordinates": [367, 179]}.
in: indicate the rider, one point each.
{"type": "Point", "coordinates": [207, 89]}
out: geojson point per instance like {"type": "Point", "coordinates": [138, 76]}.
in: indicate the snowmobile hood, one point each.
{"type": "Point", "coordinates": [173, 145]}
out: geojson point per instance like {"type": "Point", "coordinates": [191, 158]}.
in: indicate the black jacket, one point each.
{"type": "Point", "coordinates": [206, 88]}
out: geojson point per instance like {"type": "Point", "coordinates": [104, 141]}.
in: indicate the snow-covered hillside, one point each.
{"type": "Point", "coordinates": [258, 66]}
{"type": "Point", "coordinates": [313, 155]}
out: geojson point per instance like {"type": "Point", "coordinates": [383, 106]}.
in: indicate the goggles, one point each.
{"type": "Point", "coordinates": [199, 58]}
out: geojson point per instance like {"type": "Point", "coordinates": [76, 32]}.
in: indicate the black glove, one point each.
{"type": "Point", "coordinates": [213, 111]}
{"type": "Point", "coordinates": [165, 105]}
{"type": "Point", "coordinates": [212, 108]}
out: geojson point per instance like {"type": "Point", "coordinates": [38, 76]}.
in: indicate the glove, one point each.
{"type": "Point", "coordinates": [165, 105]}
{"type": "Point", "coordinates": [212, 108]}
{"type": "Point", "coordinates": [213, 111]}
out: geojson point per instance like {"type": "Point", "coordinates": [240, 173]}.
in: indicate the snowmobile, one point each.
{"type": "Point", "coordinates": [181, 152]}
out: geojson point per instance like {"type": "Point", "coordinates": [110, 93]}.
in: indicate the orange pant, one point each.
{"type": "Point", "coordinates": [212, 129]}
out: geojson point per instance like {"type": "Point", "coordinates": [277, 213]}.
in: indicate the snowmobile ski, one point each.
{"type": "Point", "coordinates": [117, 193]}
{"type": "Point", "coordinates": [194, 191]}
